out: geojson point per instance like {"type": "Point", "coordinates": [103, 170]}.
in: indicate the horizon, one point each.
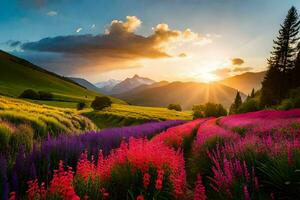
{"type": "Point", "coordinates": [202, 41]}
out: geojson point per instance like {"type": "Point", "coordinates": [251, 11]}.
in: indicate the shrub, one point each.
{"type": "Point", "coordinates": [198, 111]}
{"type": "Point", "coordinates": [45, 95]}
{"type": "Point", "coordinates": [29, 94]}
{"type": "Point", "coordinates": [81, 105]}
{"type": "Point", "coordinates": [214, 110]}
{"type": "Point", "coordinates": [176, 107]}
{"type": "Point", "coordinates": [100, 103]}
{"type": "Point", "coordinates": [249, 106]}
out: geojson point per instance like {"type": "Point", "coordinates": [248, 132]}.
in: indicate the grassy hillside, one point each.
{"type": "Point", "coordinates": [124, 115]}
{"type": "Point", "coordinates": [22, 123]}
{"type": "Point", "coordinates": [186, 94]}
{"type": "Point", "coordinates": [18, 74]}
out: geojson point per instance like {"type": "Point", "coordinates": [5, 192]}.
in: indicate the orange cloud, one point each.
{"type": "Point", "coordinates": [119, 47]}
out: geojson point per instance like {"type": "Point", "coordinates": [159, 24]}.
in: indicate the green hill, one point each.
{"type": "Point", "coordinates": [18, 74]}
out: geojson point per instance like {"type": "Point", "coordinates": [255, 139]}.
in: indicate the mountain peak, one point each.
{"type": "Point", "coordinates": [136, 76]}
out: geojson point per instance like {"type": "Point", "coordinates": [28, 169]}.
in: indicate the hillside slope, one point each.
{"type": "Point", "coordinates": [85, 84]}
{"type": "Point", "coordinates": [245, 82]}
{"type": "Point", "coordinates": [186, 94]}
{"type": "Point", "coordinates": [18, 74]}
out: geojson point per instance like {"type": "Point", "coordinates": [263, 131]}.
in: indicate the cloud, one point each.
{"type": "Point", "coordinates": [13, 43]}
{"type": "Point", "coordinates": [52, 13]}
{"type": "Point", "coordinates": [118, 48]}
{"type": "Point", "coordinates": [78, 30]}
{"type": "Point", "coordinates": [222, 72]}
{"type": "Point", "coordinates": [242, 69]}
{"type": "Point", "coordinates": [93, 26]}
{"type": "Point", "coordinates": [182, 55]}
{"type": "Point", "coordinates": [237, 61]}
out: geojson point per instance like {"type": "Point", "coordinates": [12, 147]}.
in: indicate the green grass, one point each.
{"type": "Point", "coordinates": [17, 75]}
{"type": "Point", "coordinates": [41, 118]}
{"type": "Point", "coordinates": [124, 115]}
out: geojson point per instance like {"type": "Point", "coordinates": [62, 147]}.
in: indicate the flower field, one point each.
{"type": "Point", "coordinates": [246, 156]}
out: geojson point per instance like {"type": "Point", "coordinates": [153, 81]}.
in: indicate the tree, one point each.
{"type": "Point", "coordinates": [198, 111]}
{"type": "Point", "coordinates": [276, 84]}
{"type": "Point", "coordinates": [252, 93]}
{"type": "Point", "coordinates": [214, 110]}
{"type": "Point", "coordinates": [236, 104]}
{"type": "Point", "coordinates": [45, 95]}
{"type": "Point", "coordinates": [100, 103]}
{"type": "Point", "coordinates": [29, 94]}
{"type": "Point", "coordinates": [80, 105]}
{"type": "Point", "coordinates": [176, 107]}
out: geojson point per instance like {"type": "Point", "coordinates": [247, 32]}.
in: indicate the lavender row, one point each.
{"type": "Point", "coordinates": [44, 158]}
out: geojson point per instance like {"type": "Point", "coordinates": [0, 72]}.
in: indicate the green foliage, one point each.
{"type": "Point", "coordinates": [22, 137]}
{"type": "Point", "coordinates": [176, 107]}
{"type": "Point", "coordinates": [214, 110]}
{"type": "Point", "coordinates": [292, 102]}
{"type": "Point", "coordinates": [81, 105]}
{"type": "Point", "coordinates": [29, 94]}
{"type": "Point", "coordinates": [282, 69]}
{"type": "Point", "coordinates": [281, 176]}
{"type": "Point", "coordinates": [45, 95]}
{"type": "Point", "coordinates": [208, 110]}
{"type": "Point", "coordinates": [5, 133]}
{"type": "Point", "coordinates": [100, 103]}
{"type": "Point", "coordinates": [236, 104]}
{"type": "Point", "coordinates": [198, 111]}
{"type": "Point", "coordinates": [249, 106]}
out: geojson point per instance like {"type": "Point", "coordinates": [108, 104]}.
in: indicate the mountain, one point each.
{"type": "Point", "coordinates": [108, 83]}
{"type": "Point", "coordinates": [85, 84]}
{"type": "Point", "coordinates": [245, 82]}
{"type": "Point", "coordinates": [18, 75]}
{"type": "Point", "coordinates": [186, 94]}
{"type": "Point", "coordinates": [130, 83]}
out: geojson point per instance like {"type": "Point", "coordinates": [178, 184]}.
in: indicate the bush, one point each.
{"type": "Point", "coordinates": [214, 110]}
{"type": "Point", "coordinates": [198, 111]}
{"type": "Point", "coordinates": [176, 107]}
{"type": "Point", "coordinates": [29, 94]}
{"type": "Point", "coordinates": [45, 95]}
{"type": "Point", "coordinates": [100, 103]}
{"type": "Point", "coordinates": [249, 106]}
{"type": "Point", "coordinates": [80, 105]}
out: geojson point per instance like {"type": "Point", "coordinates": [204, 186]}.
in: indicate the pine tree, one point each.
{"type": "Point", "coordinates": [236, 104]}
{"type": "Point", "coordinates": [295, 73]}
{"type": "Point", "coordinates": [276, 83]}
{"type": "Point", "coordinates": [252, 93]}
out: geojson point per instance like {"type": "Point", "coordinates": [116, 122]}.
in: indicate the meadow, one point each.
{"type": "Point", "coordinates": [245, 156]}
{"type": "Point", "coordinates": [123, 115]}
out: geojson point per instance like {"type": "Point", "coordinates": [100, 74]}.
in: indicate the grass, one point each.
{"type": "Point", "coordinates": [124, 115]}
{"type": "Point", "coordinates": [41, 118]}
{"type": "Point", "coordinates": [17, 75]}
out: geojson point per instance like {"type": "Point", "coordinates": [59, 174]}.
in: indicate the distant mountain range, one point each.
{"type": "Point", "coordinates": [245, 82]}
{"type": "Point", "coordinates": [186, 94]}
{"type": "Point", "coordinates": [129, 84]}
{"type": "Point", "coordinates": [144, 91]}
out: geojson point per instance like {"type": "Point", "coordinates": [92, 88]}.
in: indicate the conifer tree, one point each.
{"type": "Point", "coordinates": [276, 83]}
{"type": "Point", "coordinates": [252, 93]}
{"type": "Point", "coordinates": [236, 104]}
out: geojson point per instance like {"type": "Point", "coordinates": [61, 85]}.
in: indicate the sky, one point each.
{"type": "Point", "coordinates": [174, 40]}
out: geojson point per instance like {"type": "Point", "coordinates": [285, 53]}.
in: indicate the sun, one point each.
{"type": "Point", "coordinates": [208, 77]}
